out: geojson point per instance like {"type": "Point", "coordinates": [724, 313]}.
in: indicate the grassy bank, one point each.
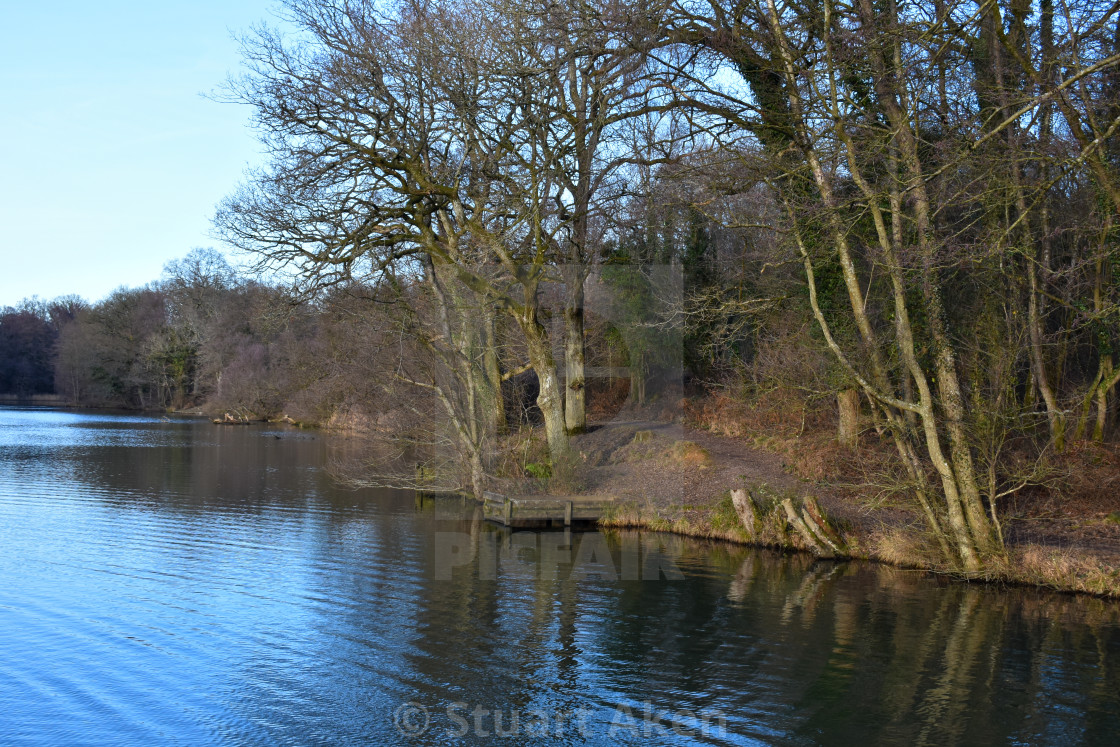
{"type": "Point", "coordinates": [1054, 568]}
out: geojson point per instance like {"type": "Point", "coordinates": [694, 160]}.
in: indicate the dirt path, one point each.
{"type": "Point", "coordinates": [634, 459]}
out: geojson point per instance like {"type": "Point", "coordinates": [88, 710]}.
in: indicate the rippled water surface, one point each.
{"type": "Point", "coordinates": [178, 582]}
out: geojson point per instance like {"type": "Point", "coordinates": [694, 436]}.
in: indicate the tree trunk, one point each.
{"type": "Point", "coordinates": [1108, 381]}
{"type": "Point", "coordinates": [478, 475]}
{"type": "Point", "coordinates": [575, 389]}
{"type": "Point", "coordinates": [747, 510]}
{"type": "Point", "coordinates": [1054, 416]}
{"type": "Point", "coordinates": [494, 403]}
{"type": "Point", "coordinates": [637, 383]}
{"type": "Point", "coordinates": [848, 402]}
{"type": "Point", "coordinates": [549, 397]}
{"type": "Point", "coordinates": [960, 480]}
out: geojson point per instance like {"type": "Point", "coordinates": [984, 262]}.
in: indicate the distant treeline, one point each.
{"type": "Point", "coordinates": [207, 337]}
{"type": "Point", "coordinates": [28, 338]}
{"type": "Point", "coordinates": [201, 336]}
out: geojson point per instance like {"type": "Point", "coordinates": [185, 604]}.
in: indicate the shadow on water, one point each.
{"type": "Point", "coordinates": [178, 579]}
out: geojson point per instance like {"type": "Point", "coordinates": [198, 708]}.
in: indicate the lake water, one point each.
{"type": "Point", "coordinates": [179, 582]}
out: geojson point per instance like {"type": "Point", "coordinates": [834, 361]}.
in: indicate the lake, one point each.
{"type": "Point", "coordinates": [172, 581]}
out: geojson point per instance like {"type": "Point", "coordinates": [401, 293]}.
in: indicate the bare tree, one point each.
{"type": "Point", "coordinates": [405, 141]}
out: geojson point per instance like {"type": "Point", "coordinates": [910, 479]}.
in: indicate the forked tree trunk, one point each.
{"type": "Point", "coordinates": [1108, 379]}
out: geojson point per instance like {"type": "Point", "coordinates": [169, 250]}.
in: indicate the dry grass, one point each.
{"type": "Point", "coordinates": [680, 520]}
{"type": "Point", "coordinates": [903, 547]}
{"type": "Point", "coordinates": [629, 514]}
{"type": "Point", "coordinates": [688, 454]}
{"type": "Point", "coordinates": [779, 414]}
{"type": "Point", "coordinates": [780, 422]}
{"type": "Point", "coordinates": [521, 453]}
{"type": "Point", "coordinates": [648, 445]}
{"type": "Point", "coordinates": [1059, 568]}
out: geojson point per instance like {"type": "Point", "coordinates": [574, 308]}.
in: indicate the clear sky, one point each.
{"type": "Point", "coordinates": [111, 159]}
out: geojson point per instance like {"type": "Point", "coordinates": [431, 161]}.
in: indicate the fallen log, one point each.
{"type": "Point", "coordinates": [810, 531]}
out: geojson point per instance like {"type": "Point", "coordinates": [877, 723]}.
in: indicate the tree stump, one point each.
{"type": "Point", "coordinates": [747, 511]}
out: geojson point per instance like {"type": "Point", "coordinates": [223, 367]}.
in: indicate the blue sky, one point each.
{"type": "Point", "coordinates": [111, 160]}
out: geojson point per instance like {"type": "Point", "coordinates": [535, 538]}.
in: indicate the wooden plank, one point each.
{"type": "Point", "coordinates": [540, 511]}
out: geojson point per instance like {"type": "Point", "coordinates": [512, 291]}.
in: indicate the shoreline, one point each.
{"type": "Point", "coordinates": [987, 578]}
{"type": "Point", "coordinates": [635, 461]}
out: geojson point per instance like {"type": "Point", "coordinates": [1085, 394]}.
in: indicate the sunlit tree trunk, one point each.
{"type": "Point", "coordinates": [575, 355]}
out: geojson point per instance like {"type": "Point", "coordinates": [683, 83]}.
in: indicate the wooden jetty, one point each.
{"type": "Point", "coordinates": [542, 511]}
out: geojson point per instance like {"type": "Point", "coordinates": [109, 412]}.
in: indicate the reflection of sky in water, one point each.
{"type": "Point", "coordinates": [215, 587]}
{"type": "Point", "coordinates": [59, 428]}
